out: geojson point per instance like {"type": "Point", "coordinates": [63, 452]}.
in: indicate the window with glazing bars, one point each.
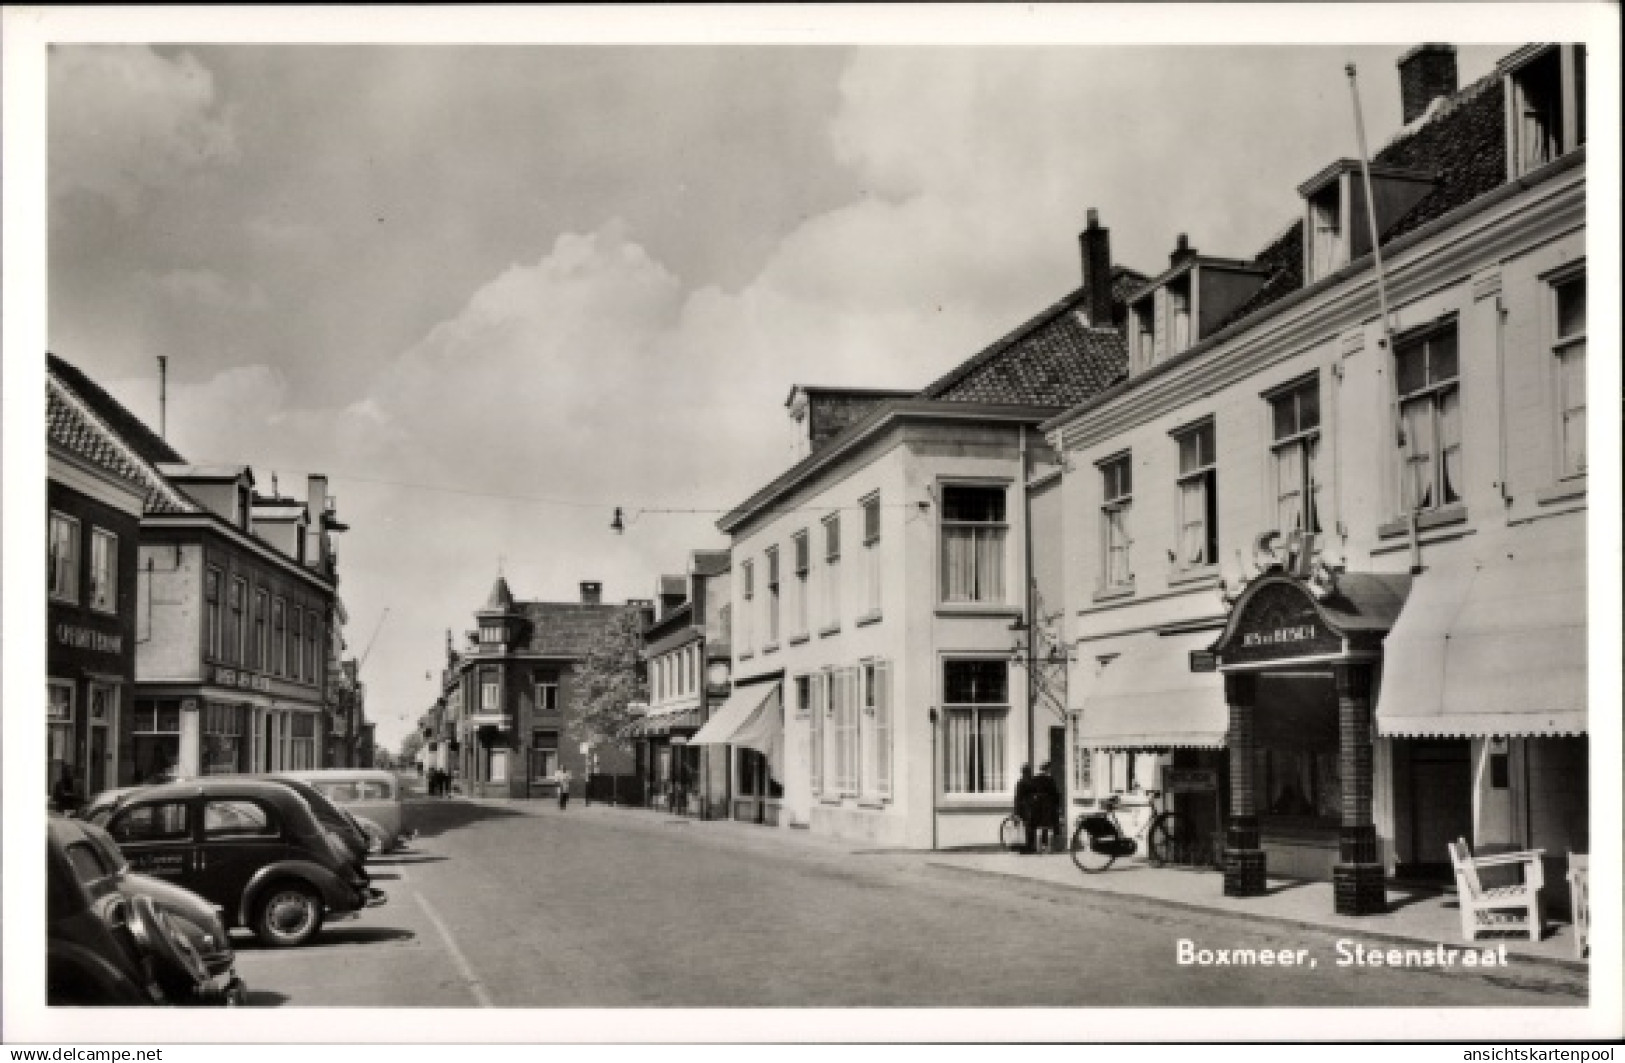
{"type": "Point", "coordinates": [973, 543]}
{"type": "Point", "coordinates": [1569, 296]}
{"type": "Point", "coordinates": [1295, 453]}
{"type": "Point", "coordinates": [1198, 498]}
{"type": "Point", "coordinates": [1117, 503]}
{"type": "Point", "coordinates": [871, 552]}
{"type": "Point", "coordinates": [1429, 438]}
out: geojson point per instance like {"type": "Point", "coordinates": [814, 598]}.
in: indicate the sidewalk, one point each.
{"type": "Point", "coordinates": [1416, 916]}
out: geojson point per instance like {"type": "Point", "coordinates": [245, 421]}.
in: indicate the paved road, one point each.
{"type": "Point", "coordinates": [528, 906]}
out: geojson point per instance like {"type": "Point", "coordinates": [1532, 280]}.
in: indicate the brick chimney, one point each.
{"type": "Point", "coordinates": [1095, 247]}
{"type": "Point", "coordinates": [1426, 72]}
{"type": "Point", "coordinates": [1182, 250]}
{"type": "Point", "coordinates": [591, 593]}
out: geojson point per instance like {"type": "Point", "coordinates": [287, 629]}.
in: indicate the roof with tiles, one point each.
{"type": "Point", "coordinates": [77, 426]}
{"type": "Point", "coordinates": [566, 629]}
{"type": "Point", "coordinates": [146, 443]}
{"type": "Point", "coordinates": [1462, 142]}
{"type": "Point", "coordinates": [1053, 359]}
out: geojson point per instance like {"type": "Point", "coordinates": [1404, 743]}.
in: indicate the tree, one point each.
{"type": "Point", "coordinates": [607, 681]}
{"type": "Point", "coordinates": [410, 746]}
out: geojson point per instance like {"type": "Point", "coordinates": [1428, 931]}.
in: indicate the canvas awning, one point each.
{"type": "Point", "coordinates": [1148, 698]}
{"type": "Point", "coordinates": [763, 731]}
{"type": "Point", "coordinates": [1494, 650]}
{"type": "Point", "coordinates": [664, 721]}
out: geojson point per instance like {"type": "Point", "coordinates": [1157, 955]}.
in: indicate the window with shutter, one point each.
{"type": "Point", "coordinates": [815, 738]}
{"type": "Point", "coordinates": [883, 728]}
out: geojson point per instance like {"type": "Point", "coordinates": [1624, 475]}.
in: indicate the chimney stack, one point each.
{"type": "Point", "coordinates": [1095, 244]}
{"type": "Point", "coordinates": [1426, 72]}
{"type": "Point", "coordinates": [1182, 250]}
{"type": "Point", "coordinates": [591, 593]}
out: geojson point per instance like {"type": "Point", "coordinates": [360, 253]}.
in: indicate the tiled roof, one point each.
{"type": "Point", "coordinates": [1463, 144]}
{"type": "Point", "coordinates": [566, 629]}
{"type": "Point", "coordinates": [1054, 359]}
{"type": "Point", "coordinates": [146, 443]}
{"type": "Point", "coordinates": [74, 425]}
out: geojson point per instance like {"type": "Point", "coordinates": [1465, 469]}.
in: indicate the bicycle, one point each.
{"type": "Point", "coordinates": [1098, 839]}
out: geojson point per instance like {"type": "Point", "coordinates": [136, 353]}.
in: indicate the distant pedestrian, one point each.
{"type": "Point", "coordinates": [562, 777]}
{"type": "Point", "coordinates": [65, 794]}
{"type": "Point", "coordinates": [1024, 807]}
{"type": "Point", "coordinates": [1046, 806]}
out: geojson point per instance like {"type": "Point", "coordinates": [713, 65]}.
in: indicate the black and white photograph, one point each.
{"type": "Point", "coordinates": [801, 524]}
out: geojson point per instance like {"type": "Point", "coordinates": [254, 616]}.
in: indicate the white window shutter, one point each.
{"type": "Point", "coordinates": [883, 729]}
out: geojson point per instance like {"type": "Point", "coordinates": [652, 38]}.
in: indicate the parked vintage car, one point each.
{"type": "Point", "coordinates": [251, 846]}
{"type": "Point", "coordinates": [372, 796]}
{"type": "Point", "coordinates": [117, 938]}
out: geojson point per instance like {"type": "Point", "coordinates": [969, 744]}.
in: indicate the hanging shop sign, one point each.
{"type": "Point", "coordinates": [1190, 781]}
{"type": "Point", "coordinates": [1279, 622]}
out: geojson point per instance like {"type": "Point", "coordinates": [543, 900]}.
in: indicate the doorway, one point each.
{"type": "Point", "coordinates": [1440, 784]}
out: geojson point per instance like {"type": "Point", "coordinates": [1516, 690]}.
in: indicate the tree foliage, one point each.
{"type": "Point", "coordinates": [609, 678]}
{"type": "Point", "coordinates": [410, 746]}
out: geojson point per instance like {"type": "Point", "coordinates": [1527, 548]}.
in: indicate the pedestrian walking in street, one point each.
{"type": "Point", "coordinates": [562, 777]}
{"type": "Point", "coordinates": [1046, 808]}
{"type": "Point", "coordinates": [1024, 807]}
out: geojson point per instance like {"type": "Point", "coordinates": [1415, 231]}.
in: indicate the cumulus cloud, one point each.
{"type": "Point", "coordinates": [137, 119]}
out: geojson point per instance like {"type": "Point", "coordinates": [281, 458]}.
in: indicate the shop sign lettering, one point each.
{"type": "Point", "coordinates": [1190, 780]}
{"type": "Point", "coordinates": [1300, 633]}
{"type": "Point", "coordinates": [1279, 622]}
{"type": "Point", "coordinates": [84, 638]}
{"type": "Point", "coordinates": [231, 677]}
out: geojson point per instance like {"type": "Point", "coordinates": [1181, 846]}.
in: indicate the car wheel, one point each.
{"type": "Point", "coordinates": [289, 914]}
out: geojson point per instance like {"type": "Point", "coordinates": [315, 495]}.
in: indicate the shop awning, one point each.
{"type": "Point", "coordinates": [1496, 650]}
{"type": "Point", "coordinates": [736, 715]}
{"type": "Point", "coordinates": [664, 721]}
{"type": "Point", "coordinates": [1148, 698]}
{"type": "Point", "coordinates": [763, 731]}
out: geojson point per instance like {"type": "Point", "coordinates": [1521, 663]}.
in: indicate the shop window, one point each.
{"type": "Point", "coordinates": [832, 572]}
{"type": "Point", "coordinates": [1429, 435]}
{"type": "Point", "coordinates": [1569, 348]}
{"type": "Point", "coordinates": [62, 558]}
{"type": "Point", "coordinates": [1117, 504]}
{"type": "Point", "coordinates": [747, 594]}
{"type": "Point", "coordinates": [156, 732]}
{"type": "Point", "coordinates": [976, 710]}
{"type": "Point", "coordinates": [1198, 498]}
{"type": "Point", "coordinates": [103, 595]}
{"type": "Point", "coordinates": [973, 544]}
{"type": "Point", "coordinates": [871, 555]}
{"type": "Point", "coordinates": [798, 589]}
{"type": "Point", "coordinates": [772, 597]}
{"type": "Point", "coordinates": [302, 741]}
{"type": "Point", "coordinates": [224, 746]}
{"type": "Point", "coordinates": [1299, 784]}
{"type": "Point", "coordinates": [1295, 457]}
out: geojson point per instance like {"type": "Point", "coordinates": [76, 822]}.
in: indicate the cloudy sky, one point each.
{"type": "Point", "coordinates": [496, 291]}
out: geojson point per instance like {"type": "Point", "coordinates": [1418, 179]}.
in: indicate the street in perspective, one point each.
{"type": "Point", "coordinates": [849, 527]}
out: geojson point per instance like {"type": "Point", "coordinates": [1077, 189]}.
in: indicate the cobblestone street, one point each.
{"type": "Point", "coordinates": [518, 904]}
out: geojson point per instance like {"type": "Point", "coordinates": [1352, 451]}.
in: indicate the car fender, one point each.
{"type": "Point", "coordinates": [76, 973]}
{"type": "Point", "coordinates": [337, 895]}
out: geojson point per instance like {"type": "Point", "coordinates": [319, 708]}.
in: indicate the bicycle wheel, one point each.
{"type": "Point", "coordinates": [1012, 834]}
{"type": "Point", "coordinates": [1170, 840]}
{"type": "Point", "coordinates": [1089, 852]}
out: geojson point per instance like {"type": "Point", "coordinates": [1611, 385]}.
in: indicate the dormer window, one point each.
{"type": "Point", "coordinates": [1179, 313]}
{"type": "Point", "coordinates": [1143, 335]}
{"type": "Point", "coordinates": [1327, 250]}
{"type": "Point", "coordinates": [491, 633]}
{"type": "Point", "coordinates": [1545, 105]}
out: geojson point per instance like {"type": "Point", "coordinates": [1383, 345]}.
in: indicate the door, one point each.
{"type": "Point", "coordinates": [1057, 761]}
{"type": "Point", "coordinates": [240, 836]}
{"type": "Point", "coordinates": [1441, 794]}
{"type": "Point", "coordinates": [96, 762]}
{"type": "Point", "coordinates": [156, 837]}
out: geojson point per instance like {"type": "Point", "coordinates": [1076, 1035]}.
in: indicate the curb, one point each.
{"type": "Point", "coordinates": [1573, 966]}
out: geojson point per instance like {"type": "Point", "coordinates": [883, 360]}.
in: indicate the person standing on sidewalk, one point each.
{"type": "Point", "coordinates": [562, 776]}
{"type": "Point", "coordinates": [1046, 809]}
{"type": "Point", "coordinates": [1024, 807]}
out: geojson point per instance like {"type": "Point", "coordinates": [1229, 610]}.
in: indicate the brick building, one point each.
{"type": "Point", "coordinates": [236, 595]}
{"type": "Point", "coordinates": [504, 719]}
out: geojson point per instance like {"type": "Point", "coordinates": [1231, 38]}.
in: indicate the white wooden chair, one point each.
{"type": "Point", "coordinates": [1498, 908]}
{"type": "Point", "coordinates": [1580, 899]}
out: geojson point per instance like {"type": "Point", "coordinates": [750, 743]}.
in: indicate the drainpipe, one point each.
{"type": "Point", "coordinates": [933, 718]}
{"type": "Point", "coordinates": [1027, 578]}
